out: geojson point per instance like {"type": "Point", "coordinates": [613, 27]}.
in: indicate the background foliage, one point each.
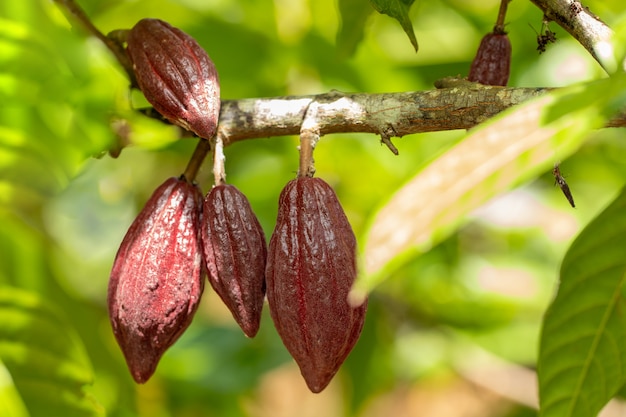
{"type": "Point", "coordinates": [451, 332]}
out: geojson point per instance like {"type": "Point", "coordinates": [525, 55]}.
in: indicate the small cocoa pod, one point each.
{"type": "Point", "coordinates": [311, 266]}
{"type": "Point", "coordinates": [492, 63]}
{"type": "Point", "coordinates": [235, 253]}
{"type": "Point", "coordinates": [175, 75]}
{"type": "Point", "coordinates": [157, 276]}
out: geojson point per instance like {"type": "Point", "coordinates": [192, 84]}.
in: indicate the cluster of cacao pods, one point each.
{"type": "Point", "coordinates": [158, 274]}
{"type": "Point", "coordinates": [157, 277]}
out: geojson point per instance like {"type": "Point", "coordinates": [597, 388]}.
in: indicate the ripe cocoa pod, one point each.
{"type": "Point", "coordinates": [235, 253]}
{"type": "Point", "coordinates": [157, 277]}
{"type": "Point", "coordinates": [175, 75]}
{"type": "Point", "coordinates": [492, 63]}
{"type": "Point", "coordinates": [311, 266]}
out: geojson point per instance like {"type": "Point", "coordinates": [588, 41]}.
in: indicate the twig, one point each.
{"type": "Point", "coordinates": [592, 33]}
{"type": "Point", "coordinates": [385, 139]}
{"type": "Point", "coordinates": [76, 14]}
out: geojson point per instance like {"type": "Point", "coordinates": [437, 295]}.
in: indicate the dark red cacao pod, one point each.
{"type": "Point", "coordinates": [235, 253]}
{"type": "Point", "coordinates": [157, 277]}
{"type": "Point", "coordinates": [492, 63]}
{"type": "Point", "coordinates": [311, 266]}
{"type": "Point", "coordinates": [175, 75]}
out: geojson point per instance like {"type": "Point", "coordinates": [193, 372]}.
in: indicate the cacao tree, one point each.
{"type": "Point", "coordinates": [480, 219]}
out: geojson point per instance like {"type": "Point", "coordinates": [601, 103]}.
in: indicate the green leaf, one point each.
{"type": "Point", "coordinates": [513, 147]}
{"type": "Point", "coordinates": [399, 10]}
{"type": "Point", "coordinates": [44, 356]}
{"type": "Point", "coordinates": [354, 14]}
{"type": "Point", "coordinates": [11, 404]}
{"type": "Point", "coordinates": [582, 357]}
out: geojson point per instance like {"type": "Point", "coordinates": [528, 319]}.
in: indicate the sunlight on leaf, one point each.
{"type": "Point", "coordinates": [513, 147]}
{"type": "Point", "coordinates": [399, 10]}
{"type": "Point", "coordinates": [582, 360]}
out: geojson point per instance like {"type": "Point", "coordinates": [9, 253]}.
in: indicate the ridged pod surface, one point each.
{"type": "Point", "coordinates": [235, 253]}
{"type": "Point", "coordinates": [157, 276]}
{"type": "Point", "coordinates": [492, 63]}
{"type": "Point", "coordinates": [310, 269]}
{"type": "Point", "coordinates": [175, 75]}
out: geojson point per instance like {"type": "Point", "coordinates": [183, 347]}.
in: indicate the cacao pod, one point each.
{"type": "Point", "coordinates": [175, 75]}
{"type": "Point", "coordinates": [311, 266]}
{"type": "Point", "coordinates": [492, 63]}
{"type": "Point", "coordinates": [235, 253]}
{"type": "Point", "coordinates": [157, 276]}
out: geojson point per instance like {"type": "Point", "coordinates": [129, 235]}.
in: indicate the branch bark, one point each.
{"type": "Point", "coordinates": [456, 104]}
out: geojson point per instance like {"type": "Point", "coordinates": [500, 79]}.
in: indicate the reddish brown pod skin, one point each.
{"type": "Point", "coordinates": [157, 277]}
{"type": "Point", "coordinates": [235, 253]}
{"type": "Point", "coordinates": [492, 64]}
{"type": "Point", "coordinates": [175, 75]}
{"type": "Point", "coordinates": [310, 270]}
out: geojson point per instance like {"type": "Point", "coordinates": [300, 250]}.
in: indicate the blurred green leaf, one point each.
{"type": "Point", "coordinates": [67, 121]}
{"type": "Point", "coordinates": [354, 14]}
{"type": "Point", "coordinates": [399, 10]}
{"type": "Point", "coordinates": [44, 356]}
{"type": "Point", "coordinates": [368, 366]}
{"type": "Point", "coordinates": [223, 359]}
{"type": "Point", "coordinates": [435, 291]}
{"type": "Point", "coordinates": [21, 248]}
{"type": "Point", "coordinates": [11, 404]}
{"type": "Point", "coordinates": [513, 147]}
{"type": "Point", "coordinates": [582, 358]}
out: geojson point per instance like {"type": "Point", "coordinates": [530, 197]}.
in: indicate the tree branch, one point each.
{"type": "Point", "coordinates": [591, 32]}
{"type": "Point", "coordinates": [456, 104]}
